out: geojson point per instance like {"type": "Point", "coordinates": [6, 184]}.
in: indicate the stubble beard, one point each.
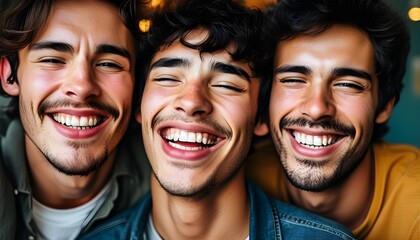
{"type": "Point", "coordinates": [82, 163]}
{"type": "Point", "coordinates": [206, 189]}
{"type": "Point", "coordinates": [311, 176]}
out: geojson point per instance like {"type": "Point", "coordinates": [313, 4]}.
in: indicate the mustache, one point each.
{"type": "Point", "coordinates": [327, 124]}
{"type": "Point", "coordinates": [111, 110]}
{"type": "Point", "coordinates": [210, 123]}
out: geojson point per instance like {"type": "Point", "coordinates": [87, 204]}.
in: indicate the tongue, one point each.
{"type": "Point", "coordinates": [189, 144]}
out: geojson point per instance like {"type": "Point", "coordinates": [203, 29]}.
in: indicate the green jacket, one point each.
{"type": "Point", "coordinates": [130, 180]}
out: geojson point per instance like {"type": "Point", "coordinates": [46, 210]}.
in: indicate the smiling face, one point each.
{"type": "Point", "coordinates": [322, 106]}
{"type": "Point", "coordinates": [75, 86]}
{"type": "Point", "coordinates": [197, 114]}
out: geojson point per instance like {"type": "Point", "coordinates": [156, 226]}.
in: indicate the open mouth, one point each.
{"type": "Point", "coordinates": [76, 122]}
{"type": "Point", "coordinates": [188, 140]}
{"type": "Point", "coordinates": [315, 141]}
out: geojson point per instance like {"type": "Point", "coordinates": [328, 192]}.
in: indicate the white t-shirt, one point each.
{"type": "Point", "coordinates": [66, 224]}
{"type": "Point", "coordinates": [152, 234]}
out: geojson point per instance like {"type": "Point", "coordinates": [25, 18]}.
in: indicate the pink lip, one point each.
{"type": "Point", "coordinates": [312, 152]}
{"type": "Point", "coordinates": [184, 154]}
{"type": "Point", "coordinates": [79, 133]}
{"type": "Point", "coordinates": [190, 155]}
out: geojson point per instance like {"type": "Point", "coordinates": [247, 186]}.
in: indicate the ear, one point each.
{"type": "Point", "coordinates": [5, 71]}
{"type": "Point", "coordinates": [138, 115]}
{"type": "Point", "coordinates": [261, 129]}
{"type": "Point", "coordinates": [384, 115]}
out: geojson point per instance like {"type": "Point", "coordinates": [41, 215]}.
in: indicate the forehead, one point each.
{"type": "Point", "coordinates": [179, 50]}
{"type": "Point", "coordinates": [341, 44]}
{"type": "Point", "coordinates": [76, 21]}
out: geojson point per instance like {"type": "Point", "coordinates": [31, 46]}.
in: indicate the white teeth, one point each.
{"type": "Point", "coordinates": [191, 137]}
{"type": "Point", "coordinates": [309, 139]}
{"type": "Point", "coordinates": [317, 141]}
{"type": "Point", "coordinates": [313, 140]}
{"type": "Point", "coordinates": [183, 136]}
{"type": "Point", "coordinates": [176, 135]}
{"type": "Point", "coordinates": [324, 140]}
{"type": "Point", "coordinates": [75, 121]}
{"type": "Point", "coordinates": [68, 120]}
{"type": "Point", "coordinates": [198, 137]}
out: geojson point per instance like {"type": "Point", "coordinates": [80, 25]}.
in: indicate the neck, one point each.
{"type": "Point", "coordinates": [222, 215]}
{"type": "Point", "coordinates": [347, 203]}
{"type": "Point", "coordinates": [58, 190]}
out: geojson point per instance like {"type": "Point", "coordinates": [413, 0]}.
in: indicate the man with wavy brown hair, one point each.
{"type": "Point", "coordinates": [337, 74]}
{"type": "Point", "coordinates": [69, 67]}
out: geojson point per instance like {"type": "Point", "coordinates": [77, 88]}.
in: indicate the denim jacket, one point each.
{"type": "Point", "coordinates": [269, 219]}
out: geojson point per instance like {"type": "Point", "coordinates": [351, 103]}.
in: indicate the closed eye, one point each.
{"type": "Point", "coordinates": [167, 82]}
{"type": "Point", "coordinates": [51, 60]}
{"type": "Point", "coordinates": [350, 85]}
{"type": "Point", "coordinates": [109, 65]}
{"type": "Point", "coordinates": [291, 80]}
{"type": "Point", "coordinates": [229, 87]}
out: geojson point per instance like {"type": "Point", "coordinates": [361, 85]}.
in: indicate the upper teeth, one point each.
{"type": "Point", "coordinates": [315, 140]}
{"type": "Point", "coordinates": [186, 136]}
{"type": "Point", "coordinates": [75, 121]}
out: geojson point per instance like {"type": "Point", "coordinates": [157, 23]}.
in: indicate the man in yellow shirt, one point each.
{"type": "Point", "coordinates": [338, 68]}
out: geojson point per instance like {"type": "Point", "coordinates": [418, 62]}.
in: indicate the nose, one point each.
{"type": "Point", "coordinates": [318, 104]}
{"type": "Point", "coordinates": [80, 82]}
{"type": "Point", "coordinates": [193, 100]}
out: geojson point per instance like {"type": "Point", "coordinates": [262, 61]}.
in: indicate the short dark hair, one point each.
{"type": "Point", "coordinates": [21, 21]}
{"type": "Point", "coordinates": [384, 27]}
{"type": "Point", "coordinates": [227, 22]}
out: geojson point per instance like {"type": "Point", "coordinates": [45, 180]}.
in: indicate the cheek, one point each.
{"type": "Point", "coordinates": [280, 102]}
{"type": "Point", "coordinates": [152, 102]}
{"type": "Point", "coordinates": [119, 87]}
{"type": "Point", "coordinates": [37, 84]}
{"type": "Point", "coordinates": [360, 113]}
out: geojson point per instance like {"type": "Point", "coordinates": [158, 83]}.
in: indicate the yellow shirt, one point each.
{"type": "Point", "coordinates": [395, 210]}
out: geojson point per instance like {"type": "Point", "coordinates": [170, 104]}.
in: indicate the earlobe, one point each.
{"type": "Point", "coordinates": [261, 129]}
{"type": "Point", "coordinates": [10, 88]}
{"type": "Point", "coordinates": [138, 115]}
{"type": "Point", "coordinates": [385, 114]}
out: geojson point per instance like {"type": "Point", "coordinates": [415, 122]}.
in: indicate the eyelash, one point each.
{"type": "Point", "coordinates": [109, 64]}
{"type": "Point", "coordinates": [51, 60]}
{"type": "Point", "coordinates": [229, 87]}
{"type": "Point", "coordinates": [103, 64]}
{"type": "Point", "coordinates": [350, 85]}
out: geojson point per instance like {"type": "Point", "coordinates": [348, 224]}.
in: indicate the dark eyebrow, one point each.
{"type": "Point", "coordinates": [57, 46]}
{"type": "Point", "coordinates": [107, 48]}
{"type": "Point", "coordinates": [65, 47]}
{"type": "Point", "coordinates": [339, 72]}
{"type": "Point", "coordinates": [171, 62]}
{"type": "Point", "coordinates": [230, 69]}
{"type": "Point", "coordinates": [292, 68]}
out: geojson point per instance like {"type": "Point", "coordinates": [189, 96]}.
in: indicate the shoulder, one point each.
{"type": "Point", "coordinates": [393, 151]}
{"type": "Point", "coordinates": [397, 159]}
{"type": "Point", "coordinates": [130, 222]}
{"type": "Point", "coordinates": [300, 220]}
{"type": "Point", "coordinates": [289, 221]}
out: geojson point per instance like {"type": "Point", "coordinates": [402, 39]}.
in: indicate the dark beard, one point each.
{"type": "Point", "coordinates": [318, 182]}
{"type": "Point", "coordinates": [322, 183]}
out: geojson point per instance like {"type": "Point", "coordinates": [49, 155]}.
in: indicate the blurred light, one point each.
{"type": "Point", "coordinates": [144, 25]}
{"type": "Point", "coordinates": [259, 3]}
{"type": "Point", "coordinates": [414, 14]}
{"type": "Point", "coordinates": [155, 3]}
